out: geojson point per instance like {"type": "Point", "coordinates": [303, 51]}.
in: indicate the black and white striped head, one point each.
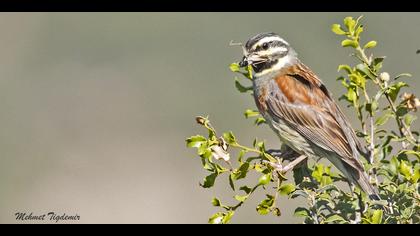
{"type": "Point", "coordinates": [267, 52]}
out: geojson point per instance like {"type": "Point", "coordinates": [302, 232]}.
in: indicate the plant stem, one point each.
{"type": "Point", "coordinates": [276, 195]}
{"type": "Point", "coordinates": [233, 208]}
{"type": "Point", "coordinates": [268, 156]}
{"type": "Point", "coordinates": [312, 204]}
{"type": "Point", "coordinates": [367, 61]}
{"type": "Point", "coordinates": [402, 127]}
{"type": "Point", "coordinates": [237, 145]}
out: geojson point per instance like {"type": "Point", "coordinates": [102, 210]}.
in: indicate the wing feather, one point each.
{"type": "Point", "coordinates": [308, 108]}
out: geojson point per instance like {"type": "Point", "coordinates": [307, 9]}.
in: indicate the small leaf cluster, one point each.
{"type": "Point", "coordinates": [215, 159]}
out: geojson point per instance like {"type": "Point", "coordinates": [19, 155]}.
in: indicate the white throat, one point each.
{"type": "Point", "coordinates": [283, 62]}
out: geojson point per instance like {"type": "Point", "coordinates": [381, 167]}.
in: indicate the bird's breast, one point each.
{"type": "Point", "coordinates": [260, 96]}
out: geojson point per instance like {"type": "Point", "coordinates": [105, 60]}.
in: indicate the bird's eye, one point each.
{"type": "Point", "coordinates": [265, 46]}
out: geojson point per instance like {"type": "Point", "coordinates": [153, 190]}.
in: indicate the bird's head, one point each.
{"type": "Point", "coordinates": [267, 52]}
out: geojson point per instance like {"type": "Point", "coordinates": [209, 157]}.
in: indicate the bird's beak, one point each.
{"type": "Point", "coordinates": [251, 59]}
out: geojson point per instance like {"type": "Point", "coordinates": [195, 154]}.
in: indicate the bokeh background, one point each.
{"type": "Point", "coordinates": [95, 107]}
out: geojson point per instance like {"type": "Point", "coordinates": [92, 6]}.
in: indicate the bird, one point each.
{"type": "Point", "coordinates": [299, 108]}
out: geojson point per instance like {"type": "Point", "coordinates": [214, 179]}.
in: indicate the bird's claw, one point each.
{"type": "Point", "coordinates": [277, 166]}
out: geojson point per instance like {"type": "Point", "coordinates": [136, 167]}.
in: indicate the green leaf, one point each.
{"type": "Point", "coordinates": [349, 43]}
{"type": "Point", "coordinates": [371, 107]}
{"type": "Point", "coordinates": [402, 111]}
{"type": "Point", "coordinates": [215, 202]}
{"type": "Point", "coordinates": [377, 63]}
{"type": "Point", "coordinates": [221, 217]}
{"type": "Point", "coordinates": [241, 155]}
{"type": "Point", "coordinates": [351, 95]}
{"type": "Point", "coordinates": [408, 119]}
{"type": "Point", "coordinates": [402, 75]}
{"type": "Point", "coordinates": [195, 141]}
{"type": "Point", "coordinates": [251, 113]}
{"type": "Point", "coordinates": [234, 67]}
{"type": "Point", "coordinates": [217, 218]}
{"type": "Point", "coordinates": [326, 180]}
{"type": "Point", "coordinates": [301, 212]}
{"type": "Point", "coordinates": [300, 193]}
{"type": "Point", "coordinates": [299, 173]}
{"type": "Point", "coordinates": [228, 216]}
{"type": "Point", "coordinates": [264, 179]}
{"type": "Point", "coordinates": [263, 210]}
{"type": "Point", "coordinates": [206, 165]}
{"type": "Point", "coordinates": [360, 134]}
{"type": "Point", "coordinates": [416, 174]}
{"type": "Point", "coordinates": [350, 23]}
{"type": "Point", "coordinates": [241, 198]}
{"type": "Point", "coordinates": [231, 181]}
{"type": "Point", "coordinates": [286, 189]}
{"type": "Point", "coordinates": [204, 150]}
{"type": "Point", "coordinates": [411, 152]}
{"type": "Point", "coordinates": [209, 181]}
{"type": "Point", "coordinates": [241, 172]}
{"type": "Point", "coordinates": [364, 71]}
{"type": "Point", "coordinates": [358, 80]}
{"type": "Point", "coordinates": [259, 121]}
{"type": "Point", "coordinates": [249, 72]}
{"type": "Point", "coordinates": [258, 168]}
{"type": "Point", "coordinates": [394, 90]}
{"type": "Point", "coordinates": [393, 165]}
{"type": "Point", "coordinates": [318, 172]}
{"type": "Point", "coordinates": [370, 44]}
{"type": "Point", "coordinates": [405, 170]}
{"type": "Point", "coordinates": [383, 119]}
{"type": "Point", "coordinates": [229, 137]}
{"type": "Point", "coordinates": [246, 189]}
{"type": "Point", "coordinates": [240, 87]}
{"type": "Point", "coordinates": [377, 217]}
{"type": "Point", "coordinates": [358, 31]}
{"type": "Point", "coordinates": [325, 189]}
{"type": "Point", "coordinates": [260, 145]}
{"type": "Point", "coordinates": [336, 28]}
{"type": "Point", "coordinates": [265, 206]}
{"type": "Point", "coordinates": [334, 218]}
{"type": "Point", "coordinates": [347, 68]}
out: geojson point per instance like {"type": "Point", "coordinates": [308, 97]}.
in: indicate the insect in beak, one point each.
{"type": "Point", "coordinates": [244, 61]}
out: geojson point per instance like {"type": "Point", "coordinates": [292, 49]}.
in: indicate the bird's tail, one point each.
{"type": "Point", "coordinates": [362, 180]}
{"type": "Point", "coordinates": [355, 175]}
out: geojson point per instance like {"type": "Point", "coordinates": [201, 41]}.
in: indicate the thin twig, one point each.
{"type": "Point", "coordinates": [313, 212]}
{"type": "Point", "coordinates": [402, 127]}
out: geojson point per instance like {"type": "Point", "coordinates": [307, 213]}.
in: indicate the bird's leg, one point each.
{"type": "Point", "coordinates": [294, 163]}
{"type": "Point", "coordinates": [287, 154]}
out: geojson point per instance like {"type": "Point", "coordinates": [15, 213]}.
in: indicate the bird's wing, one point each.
{"type": "Point", "coordinates": [348, 130]}
{"type": "Point", "coordinates": [305, 104]}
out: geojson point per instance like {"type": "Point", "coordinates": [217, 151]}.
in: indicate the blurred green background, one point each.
{"type": "Point", "coordinates": [95, 107]}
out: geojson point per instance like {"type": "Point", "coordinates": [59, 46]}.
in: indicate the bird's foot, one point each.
{"type": "Point", "coordinates": [277, 166]}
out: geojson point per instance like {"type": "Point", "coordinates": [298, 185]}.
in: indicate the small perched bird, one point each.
{"type": "Point", "coordinates": [300, 109]}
